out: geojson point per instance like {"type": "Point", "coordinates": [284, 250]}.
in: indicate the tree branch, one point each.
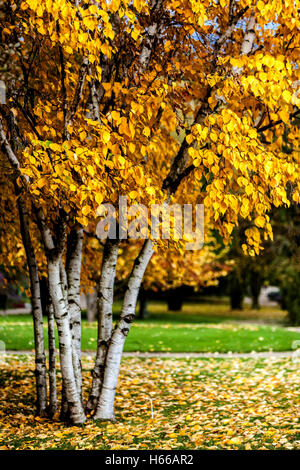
{"type": "Point", "coordinates": [276, 123]}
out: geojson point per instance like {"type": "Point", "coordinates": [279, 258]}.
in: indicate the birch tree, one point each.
{"type": "Point", "coordinates": [161, 101]}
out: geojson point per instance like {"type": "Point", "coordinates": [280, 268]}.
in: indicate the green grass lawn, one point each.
{"type": "Point", "coordinates": [198, 328]}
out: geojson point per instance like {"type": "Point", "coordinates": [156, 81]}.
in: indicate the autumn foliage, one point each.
{"type": "Point", "coordinates": [162, 101]}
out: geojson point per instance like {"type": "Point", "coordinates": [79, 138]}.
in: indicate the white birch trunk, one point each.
{"type": "Point", "coordinates": [52, 361]}
{"type": "Point", "coordinates": [56, 290]}
{"type": "Point", "coordinates": [73, 269]}
{"type": "Point", "coordinates": [40, 359]}
{"type": "Point", "coordinates": [105, 319]}
{"type": "Point", "coordinates": [64, 411]}
{"type": "Point", "coordinates": [105, 408]}
{"type": "Point", "coordinates": [249, 36]}
{"type": "Point", "coordinates": [151, 34]}
{"type": "Point", "coordinates": [110, 358]}
{"type": "Point", "coordinates": [73, 398]}
{"type": "Point", "coordinates": [247, 42]}
{"type": "Point", "coordinates": [37, 311]}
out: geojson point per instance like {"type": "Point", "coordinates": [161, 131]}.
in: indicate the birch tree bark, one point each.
{"type": "Point", "coordinates": [110, 346]}
{"type": "Point", "coordinates": [105, 319]}
{"type": "Point", "coordinates": [40, 359]}
{"type": "Point", "coordinates": [105, 408]}
{"type": "Point", "coordinates": [57, 282]}
{"type": "Point", "coordinates": [56, 289]}
{"type": "Point", "coordinates": [52, 360]}
{"type": "Point", "coordinates": [73, 398]}
{"type": "Point", "coordinates": [73, 270]}
{"type": "Point", "coordinates": [64, 412]}
{"type": "Point", "coordinates": [151, 34]}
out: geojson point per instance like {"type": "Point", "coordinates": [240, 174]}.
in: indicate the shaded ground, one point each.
{"type": "Point", "coordinates": [198, 404]}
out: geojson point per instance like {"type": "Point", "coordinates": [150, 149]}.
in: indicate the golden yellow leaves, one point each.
{"type": "Point", "coordinates": [126, 127]}
{"type": "Point", "coordinates": [86, 210]}
{"type": "Point", "coordinates": [131, 133]}
{"type": "Point", "coordinates": [133, 194]}
{"type": "Point", "coordinates": [270, 79]}
{"type": "Point", "coordinates": [131, 16]}
{"type": "Point", "coordinates": [260, 6]}
{"type": "Point", "coordinates": [116, 116]}
{"type": "Point", "coordinates": [189, 139]}
{"type": "Point", "coordinates": [234, 441]}
{"type": "Point", "coordinates": [248, 411]}
{"type": "Point", "coordinates": [146, 131]}
{"type": "Point", "coordinates": [41, 182]}
{"type": "Point", "coordinates": [99, 198]}
{"type": "Point", "coordinates": [260, 221]}
{"type": "Point", "coordinates": [139, 175]}
{"type": "Point", "coordinates": [287, 96]}
{"type": "Point", "coordinates": [131, 147]}
{"type": "Point", "coordinates": [284, 115]}
{"type": "Point", "coordinates": [90, 22]}
{"type": "Point", "coordinates": [245, 208]}
{"type": "Point", "coordinates": [237, 62]}
{"type": "Point", "coordinates": [223, 3]}
{"type": "Point", "coordinates": [233, 202]}
{"type": "Point", "coordinates": [105, 136]}
{"type": "Point", "coordinates": [109, 33]}
{"type": "Point", "coordinates": [119, 161]}
{"type": "Point", "coordinates": [33, 4]}
{"type": "Point", "coordinates": [136, 108]}
{"type": "Point", "coordinates": [198, 9]}
{"type": "Point", "coordinates": [214, 137]}
{"type": "Point", "coordinates": [55, 147]}
{"type": "Point", "coordinates": [253, 240]}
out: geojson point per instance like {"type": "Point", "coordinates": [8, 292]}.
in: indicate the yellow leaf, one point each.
{"type": "Point", "coordinates": [286, 95]}
{"type": "Point", "coordinates": [150, 191]}
{"type": "Point", "coordinates": [189, 138]}
{"type": "Point", "coordinates": [99, 198]}
{"type": "Point", "coordinates": [120, 160]}
{"type": "Point", "coordinates": [115, 115]}
{"type": "Point", "coordinates": [260, 221]}
{"type": "Point", "coordinates": [235, 440]}
{"type": "Point", "coordinates": [91, 170]}
{"type": "Point", "coordinates": [133, 194]}
{"type": "Point", "coordinates": [86, 210]}
{"type": "Point", "coordinates": [214, 137]}
{"type": "Point", "coordinates": [131, 147]}
{"type": "Point", "coordinates": [105, 136]}
{"type": "Point", "coordinates": [146, 131]}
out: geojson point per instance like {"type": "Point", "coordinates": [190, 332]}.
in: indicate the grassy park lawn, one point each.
{"type": "Point", "coordinates": [198, 328]}
{"type": "Point", "coordinates": [211, 403]}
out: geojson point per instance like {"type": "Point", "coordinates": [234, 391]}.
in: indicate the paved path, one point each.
{"type": "Point", "coordinates": [16, 311]}
{"type": "Point", "coordinates": [264, 354]}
